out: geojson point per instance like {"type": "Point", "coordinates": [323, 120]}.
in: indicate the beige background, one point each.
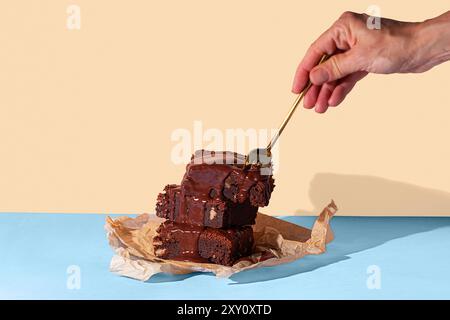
{"type": "Point", "coordinates": [86, 116]}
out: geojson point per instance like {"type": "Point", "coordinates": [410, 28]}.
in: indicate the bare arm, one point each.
{"type": "Point", "coordinates": [397, 47]}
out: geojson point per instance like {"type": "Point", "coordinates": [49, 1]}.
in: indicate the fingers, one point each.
{"type": "Point", "coordinates": [318, 96]}
{"type": "Point", "coordinates": [300, 79]}
{"type": "Point", "coordinates": [331, 94]}
{"type": "Point", "coordinates": [337, 67]}
{"type": "Point", "coordinates": [335, 78]}
{"type": "Point", "coordinates": [344, 87]}
{"type": "Point", "coordinates": [311, 97]}
{"type": "Point", "coordinates": [324, 95]}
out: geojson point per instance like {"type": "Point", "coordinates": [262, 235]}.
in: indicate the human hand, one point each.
{"type": "Point", "coordinates": [397, 47]}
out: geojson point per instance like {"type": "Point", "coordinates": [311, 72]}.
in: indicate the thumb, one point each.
{"type": "Point", "coordinates": [336, 67]}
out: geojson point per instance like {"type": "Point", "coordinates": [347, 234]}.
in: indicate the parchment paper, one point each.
{"type": "Point", "coordinates": [276, 242]}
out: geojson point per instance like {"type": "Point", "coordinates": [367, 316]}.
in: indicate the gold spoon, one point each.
{"type": "Point", "coordinates": [264, 155]}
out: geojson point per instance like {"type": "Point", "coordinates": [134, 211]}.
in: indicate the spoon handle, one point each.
{"type": "Point", "coordinates": [293, 108]}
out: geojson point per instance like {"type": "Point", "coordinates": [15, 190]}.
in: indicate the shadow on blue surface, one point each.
{"type": "Point", "coordinates": [362, 195]}
{"type": "Point", "coordinates": [353, 234]}
{"type": "Point", "coordinates": [165, 277]}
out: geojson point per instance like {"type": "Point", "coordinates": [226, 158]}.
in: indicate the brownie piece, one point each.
{"type": "Point", "coordinates": [168, 202]}
{"type": "Point", "coordinates": [224, 174]}
{"type": "Point", "coordinates": [225, 246]}
{"type": "Point", "coordinates": [214, 213]}
{"type": "Point", "coordinates": [218, 190]}
{"type": "Point", "coordinates": [201, 244]}
{"type": "Point", "coordinates": [177, 242]}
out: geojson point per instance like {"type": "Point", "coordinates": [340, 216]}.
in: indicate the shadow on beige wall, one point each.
{"type": "Point", "coordinates": [368, 195]}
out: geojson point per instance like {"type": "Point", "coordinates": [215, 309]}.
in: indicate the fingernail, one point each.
{"type": "Point", "coordinates": [319, 76]}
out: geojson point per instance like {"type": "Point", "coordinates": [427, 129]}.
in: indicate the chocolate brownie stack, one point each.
{"type": "Point", "coordinates": [209, 215]}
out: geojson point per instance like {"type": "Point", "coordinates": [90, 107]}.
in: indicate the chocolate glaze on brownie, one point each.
{"type": "Point", "coordinates": [218, 190]}
{"type": "Point", "coordinates": [224, 174]}
{"type": "Point", "coordinates": [199, 244]}
{"type": "Point", "coordinates": [215, 213]}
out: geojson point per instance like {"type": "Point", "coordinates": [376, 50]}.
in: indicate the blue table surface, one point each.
{"type": "Point", "coordinates": [411, 254]}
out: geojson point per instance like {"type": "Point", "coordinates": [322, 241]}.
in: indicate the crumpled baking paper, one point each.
{"type": "Point", "coordinates": [276, 242]}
